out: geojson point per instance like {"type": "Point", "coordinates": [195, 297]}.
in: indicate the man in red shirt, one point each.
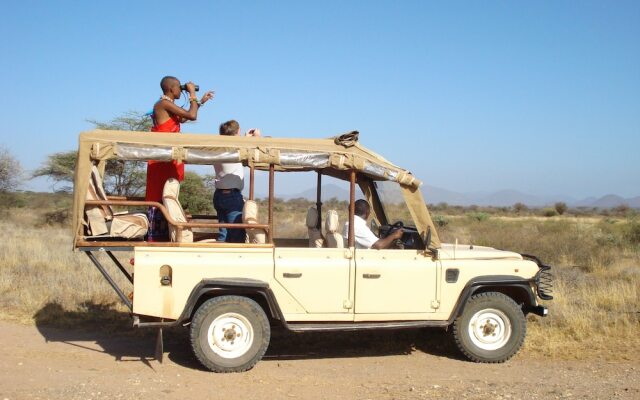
{"type": "Point", "coordinates": [167, 117]}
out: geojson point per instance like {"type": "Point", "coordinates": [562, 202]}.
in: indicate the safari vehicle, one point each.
{"type": "Point", "coordinates": [231, 295]}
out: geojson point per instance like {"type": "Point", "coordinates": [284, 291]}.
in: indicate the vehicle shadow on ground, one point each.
{"type": "Point", "coordinates": [295, 346]}
{"type": "Point", "coordinates": [101, 328]}
{"type": "Point", "coordinates": [97, 327]}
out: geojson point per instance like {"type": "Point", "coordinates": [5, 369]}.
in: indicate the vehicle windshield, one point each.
{"type": "Point", "coordinates": [395, 208]}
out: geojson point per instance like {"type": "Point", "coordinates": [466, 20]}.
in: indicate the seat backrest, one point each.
{"type": "Point", "coordinates": [331, 226]}
{"type": "Point", "coordinates": [250, 216]}
{"type": "Point", "coordinates": [170, 194]}
{"type": "Point", "coordinates": [97, 216]}
{"type": "Point", "coordinates": [315, 236]}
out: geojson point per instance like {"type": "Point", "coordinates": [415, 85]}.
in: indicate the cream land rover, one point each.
{"type": "Point", "coordinates": [230, 295]}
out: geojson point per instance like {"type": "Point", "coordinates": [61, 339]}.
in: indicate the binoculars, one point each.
{"type": "Point", "coordinates": [184, 87]}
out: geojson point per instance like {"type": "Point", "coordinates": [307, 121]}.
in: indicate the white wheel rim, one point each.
{"type": "Point", "coordinates": [230, 335]}
{"type": "Point", "coordinates": [489, 329]}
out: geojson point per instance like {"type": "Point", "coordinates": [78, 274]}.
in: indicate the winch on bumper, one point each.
{"type": "Point", "coordinates": [543, 283]}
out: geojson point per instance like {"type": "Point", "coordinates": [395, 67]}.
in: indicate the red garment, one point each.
{"type": "Point", "coordinates": [159, 171]}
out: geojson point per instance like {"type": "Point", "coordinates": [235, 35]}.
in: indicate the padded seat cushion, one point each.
{"type": "Point", "coordinates": [315, 236]}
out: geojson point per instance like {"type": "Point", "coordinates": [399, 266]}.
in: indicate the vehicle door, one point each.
{"type": "Point", "coordinates": [318, 278]}
{"type": "Point", "coordinates": [394, 282]}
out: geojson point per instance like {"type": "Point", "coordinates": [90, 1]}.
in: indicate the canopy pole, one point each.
{"type": "Point", "coordinates": [251, 181]}
{"type": "Point", "coordinates": [352, 208]}
{"type": "Point", "coordinates": [319, 200]}
{"type": "Point", "coordinates": [271, 181]}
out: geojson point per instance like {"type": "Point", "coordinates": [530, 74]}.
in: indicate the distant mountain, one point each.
{"type": "Point", "coordinates": [501, 198]}
{"type": "Point", "coordinates": [328, 191]}
{"type": "Point", "coordinates": [612, 200]}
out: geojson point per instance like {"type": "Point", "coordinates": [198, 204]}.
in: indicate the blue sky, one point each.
{"type": "Point", "coordinates": [541, 97]}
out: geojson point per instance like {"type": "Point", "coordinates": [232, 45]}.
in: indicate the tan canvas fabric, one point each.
{"type": "Point", "coordinates": [286, 154]}
{"type": "Point", "coordinates": [102, 220]}
{"type": "Point", "coordinates": [170, 195]}
{"type": "Point", "coordinates": [315, 236]}
{"type": "Point", "coordinates": [250, 216]}
{"type": "Point", "coordinates": [96, 217]}
{"type": "Point", "coordinates": [129, 226]}
{"type": "Point", "coordinates": [334, 238]}
{"type": "Point", "coordinates": [417, 208]}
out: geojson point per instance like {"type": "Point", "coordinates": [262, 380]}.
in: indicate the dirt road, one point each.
{"type": "Point", "coordinates": [47, 363]}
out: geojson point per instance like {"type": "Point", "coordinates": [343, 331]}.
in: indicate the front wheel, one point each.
{"type": "Point", "coordinates": [230, 333]}
{"type": "Point", "coordinates": [491, 328]}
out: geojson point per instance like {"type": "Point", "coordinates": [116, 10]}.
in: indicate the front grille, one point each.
{"type": "Point", "coordinates": [544, 278]}
{"type": "Point", "coordinates": [544, 282]}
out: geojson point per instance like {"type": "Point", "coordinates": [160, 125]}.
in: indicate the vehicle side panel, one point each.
{"type": "Point", "coordinates": [317, 278]}
{"type": "Point", "coordinates": [394, 282]}
{"type": "Point", "coordinates": [472, 269]}
{"type": "Point", "coordinates": [189, 267]}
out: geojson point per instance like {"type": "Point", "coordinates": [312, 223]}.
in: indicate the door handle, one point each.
{"type": "Point", "coordinates": [292, 274]}
{"type": "Point", "coordinates": [371, 276]}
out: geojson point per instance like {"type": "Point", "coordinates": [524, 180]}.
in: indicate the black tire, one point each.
{"type": "Point", "coordinates": [491, 328]}
{"type": "Point", "coordinates": [235, 319]}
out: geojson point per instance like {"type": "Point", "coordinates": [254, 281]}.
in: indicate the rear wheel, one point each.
{"type": "Point", "coordinates": [230, 333]}
{"type": "Point", "coordinates": [491, 328]}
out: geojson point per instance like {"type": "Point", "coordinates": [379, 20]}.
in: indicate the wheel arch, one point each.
{"type": "Point", "coordinates": [516, 288]}
{"type": "Point", "coordinates": [256, 290]}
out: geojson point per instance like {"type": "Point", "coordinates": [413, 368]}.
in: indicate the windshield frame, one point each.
{"type": "Point", "coordinates": [386, 204]}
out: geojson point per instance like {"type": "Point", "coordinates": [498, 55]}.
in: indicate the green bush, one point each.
{"type": "Point", "coordinates": [520, 208]}
{"type": "Point", "coordinates": [632, 233]}
{"type": "Point", "coordinates": [57, 217]}
{"type": "Point", "coordinates": [478, 216]}
{"type": "Point", "coordinates": [12, 200]}
{"type": "Point", "coordinates": [560, 207]}
{"type": "Point", "coordinates": [440, 221]}
{"type": "Point", "coordinates": [194, 196]}
{"type": "Point", "coordinates": [549, 212]}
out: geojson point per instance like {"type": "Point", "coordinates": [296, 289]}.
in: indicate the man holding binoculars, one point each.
{"type": "Point", "coordinates": [167, 117]}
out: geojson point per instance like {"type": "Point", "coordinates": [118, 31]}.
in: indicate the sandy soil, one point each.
{"type": "Point", "coordinates": [48, 363]}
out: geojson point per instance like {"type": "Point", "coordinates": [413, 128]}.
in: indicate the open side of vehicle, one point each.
{"type": "Point", "coordinates": [230, 295]}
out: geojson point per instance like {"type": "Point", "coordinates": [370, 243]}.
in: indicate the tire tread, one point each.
{"type": "Point", "coordinates": [459, 331]}
{"type": "Point", "coordinates": [210, 305]}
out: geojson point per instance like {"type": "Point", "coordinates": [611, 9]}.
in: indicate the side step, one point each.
{"type": "Point", "coordinates": [356, 326]}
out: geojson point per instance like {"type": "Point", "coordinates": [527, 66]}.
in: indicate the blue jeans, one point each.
{"type": "Point", "coordinates": [228, 205]}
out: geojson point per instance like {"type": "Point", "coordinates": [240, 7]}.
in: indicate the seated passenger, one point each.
{"type": "Point", "coordinates": [365, 239]}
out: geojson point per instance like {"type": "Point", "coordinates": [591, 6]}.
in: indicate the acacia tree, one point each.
{"type": "Point", "coordinates": [123, 178]}
{"type": "Point", "coordinates": [59, 168]}
{"type": "Point", "coordinates": [560, 207]}
{"type": "Point", "coordinates": [10, 171]}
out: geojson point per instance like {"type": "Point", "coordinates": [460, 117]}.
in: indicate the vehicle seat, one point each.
{"type": "Point", "coordinates": [250, 216]}
{"type": "Point", "coordinates": [315, 236]}
{"type": "Point", "coordinates": [102, 221]}
{"type": "Point", "coordinates": [170, 194]}
{"type": "Point", "coordinates": [331, 226]}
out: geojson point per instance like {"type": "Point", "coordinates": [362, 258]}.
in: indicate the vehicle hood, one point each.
{"type": "Point", "coordinates": [450, 251]}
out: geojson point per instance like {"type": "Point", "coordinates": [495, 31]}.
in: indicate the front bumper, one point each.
{"type": "Point", "coordinates": [540, 310]}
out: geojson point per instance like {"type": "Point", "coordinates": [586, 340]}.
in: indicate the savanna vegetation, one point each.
{"type": "Point", "coordinates": [596, 262]}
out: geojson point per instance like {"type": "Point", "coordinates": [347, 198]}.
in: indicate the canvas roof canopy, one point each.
{"type": "Point", "coordinates": [334, 156]}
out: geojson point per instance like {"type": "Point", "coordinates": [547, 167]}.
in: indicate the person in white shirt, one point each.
{"type": "Point", "coordinates": [365, 239]}
{"type": "Point", "coordinates": [229, 182]}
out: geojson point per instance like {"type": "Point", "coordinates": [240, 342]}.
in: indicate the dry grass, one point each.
{"type": "Point", "coordinates": [596, 265]}
{"type": "Point", "coordinates": [39, 270]}
{"type": "Point", "coordinates": [596, 306]}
